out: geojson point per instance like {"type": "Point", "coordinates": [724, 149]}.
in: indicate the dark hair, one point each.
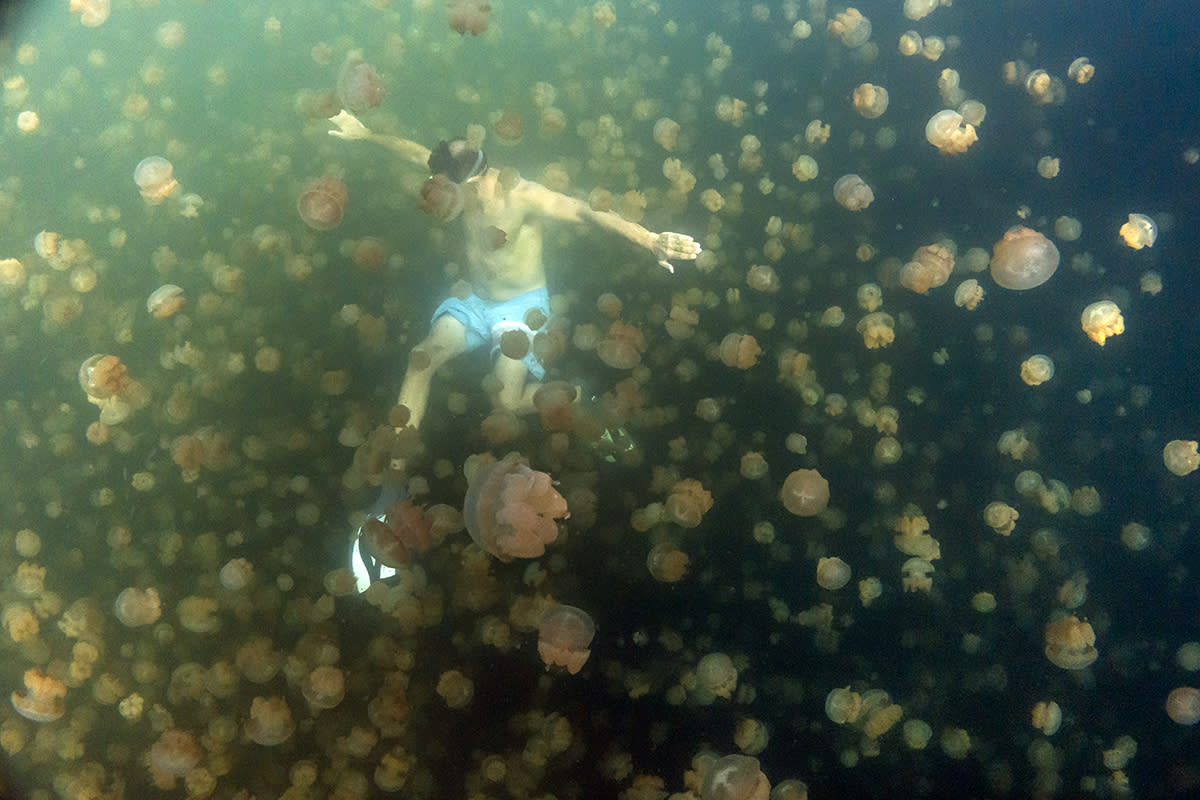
{"type": "Point", "coordinates": [457, 161]}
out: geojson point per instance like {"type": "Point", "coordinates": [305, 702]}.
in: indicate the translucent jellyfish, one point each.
{"type": "Point", "coordinates": [715, 676]}
{"type": "Point", "coordinates": [1139, 231]}
{"type": "Point", "coordinates": [666, 133]}
{"type": "Point", "coordinates": [92, 13]}
{"type": "Point", "coordinates": [405, 529]}
{"type": "Point", "coordinates": [805, 493]}
{"type": "Point", "coordinates": [843, 706]}
{"type": "Point", "coordinates": [1180, 456]}
{"type": "Point", "coordinates": [508, 126]}
{"type": "Point", "coordinates": [324, 687]}
{"type": "Point", "coordinates": [805, 168]}
{"type": "Point", "coordinates": [155, 178]}
{"type": "Point", "coordinates": [20, 622]}
{"type": "Point", "coordinates": [852, 193]}
{"type": "Point", "coordinates": [882, 720]}
{"type": "Point", "coordinates": [270, 721]}
{"type": "Point", "coordinates": [441, 198]}
{"type": "Point", "coordinates": [323, 202]}
{"type": "Point", "coordinates": [164, 301]}
{"type": "Point", "coordinates": [565, 636]}
{"type": "Point", "coordinates": [1102, 319]}
{"type": "Point", "coordinates": [511, 510]}
{"type": "Point", "coordinates": [1000, 517]}
{"type": "Point", "coordinates": [968, 294]}
{"type": "Point", "coordinates": [1068, 229]}
{"type": "Point", "coordinates": [136, 607]}
{"type": "Point", "coordinates": [735, 777]}
{"type": "Point", "coordinates": [739, 350]}
{"type": "Point", "coordinates": [832, 573]}
{"type": "Point", "coordinates": [688, 502]}
{"type": "Point", "coordinates": [1048, 167]}
{"type": "Point", "coordinates": [42, 700]}
{"type": "Point", "coordinates": [947, 131]}
{"type": "Point", "coordinates": [915, 575]}
{"type": "Point", "coordinates": [1047, 717]}
{"type": "Point", "coordinates": [870, 101]}
{"type": "Point", "coordinates": [869, 297]}
{"type": "Point", "coordinates": [816, 132]}
{"type": "Point", "coordinates": [469, 16]}
{"type": "Point", "coordinates": [1023, 259]}
{"type": "Point", "coordinates": [667, 563]}
{"type": "Point", "coordinates": [622, 346]}
{"type": "Point", "coordinates": [930, 268]}
{"type": "Point", "coordinates": [1081, 70]}
{"type": "Point", "coordinates": [851, 27]}
{"type": "Point", "coordinates": [359, 87]}
{"type": "Point", "coordinates": [1037, 369]}
{"type": "Point", "coordinates": [973, 112]}
{"type": "Point", "coordinates": [1070, 644]}
{"type": "Point", "coordinates": [173, 755]}
{"type": "Point", "coordinates": [910, 43]}
{"type": "Point", "coordinates": [878, 329]}
{"type": "Point", "coordinates": [919, 9]}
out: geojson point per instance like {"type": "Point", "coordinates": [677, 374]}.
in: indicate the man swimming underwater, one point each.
{"type": "Point", "coordinates": [505, 264]}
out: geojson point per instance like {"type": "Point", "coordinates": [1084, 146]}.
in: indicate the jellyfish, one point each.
{"type": "Point", "coordinates": [968, 294]}
{"type": "Point", "coordinates": [947, 131]}
{"type": "Point", "coordinates": [843, 706]}
{"type": "Point", "coordinates": [136, 607]}
{"type": "Point", "coordinates": [1081, 70]}
{"type": "Point", "coordinates": [715, 677]}
{"type": "Point", "coordinates": [359, 87]}
{"type": "Point", "coordinates": [509, 126]}
{"type": "Point", "coordinates": [1139, 231]}
{"type": "Point", "coordinates": [930, 267]}
{"type": "Point", "coordinates": [805, 493]}
{"type": "Point", "coordinates": [1102, 319]}
{"type": "Point", "coordinates": [324, 687]}
{"type": "Point", "coordinates": [870, 101]}
{"type": "Point", "coordinates": [511, 511]}
{"type": "Point", "coordinates": [666, 133]}
{"type": "Point", "coordinates": [1180, 456]}
{"type": "Point", "coordinates": [688, 502]}
{"type": "Point", "coordinates": [1037, 369]}
{"type": "Point", "coordinates": [174, 754]}
{"type": "Point", "coordinates": [739, 350]}
{"type": "Point", "coordinates": [405, 529]}
{"type": "Point", "coordinates": [323, 202]}
{"type": "Point", "coordinates": [270, 721]}
{"type": "Point", "coordinates": [915, 575]}
{"type": "Point", "coordinates": [43, 697]}
{"type": "Point", "coordinates": [851, 27]}
{"type": "Point", "coordinates": [622, 346]}
{"type": "Point", "coordinates": [92, 13]}
{"type": "Point", "coordinates": [735, 777]}
{"type": "Point", "coordinates": [565, 636]}
{"type": "Point", "coordinates": [910, 43]}
{"type": "Point", "coordinates": [164, 301]}
{"type": "Point", "coordinates": [469, 16]}
{"type": "Point", "coordinates": [1023, 259]}
{"type": "Point", "coordinates": [1070, 644]}
{"type": "Point", "coordinates": [441, 198]}
{"type": "Point", "coordinates": [154, 176]}
{"type": "Point", "coordinates": [1047, 717]}
{"type": "Point", "coordinates": [1183, 705]}
{"type": "Point", "coordinates": [832, 573]}
{"type": "Point", "coordinates": [805, 168]}
{"type": "Point", "coordinates": [852, 193]}
{"type": "Point", "coordinates": [878, 329]}
{"type": "Point", "coordinates": [667, 563]}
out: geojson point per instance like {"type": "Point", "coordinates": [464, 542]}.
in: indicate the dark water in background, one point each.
{"type": "Point", "coordinates": [242, 147]}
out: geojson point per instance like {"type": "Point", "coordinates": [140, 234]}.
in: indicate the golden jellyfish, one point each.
{"type": "Point", "coordinates": [511, 511]}
{"type": "Point", "coordinates": [882, 720]}
{"type": "Point", "coordinates": [869, 297]}
{"type": "Point", "coordinates": [155, 178]}
{"type": "Point", "coordinates": [164, 301]}
{"type": "Point", "coordinates": [667, 563]}
{"type": "Point", "coordinates": [843, 706]}
{"type": "Point", "coordinates": [455, 689]}
{"type": "Point", "coordinates": [931, 267]}
{"type": "Point", "coordinates": [92, 13]}
{"type": "Point", "coordinates": [565, 636]}
{"type": "Point", "coordinates": [1183, 705]}
{"type": "Point", "coordinates": [324, 687]}
{"type": "Point", "coordinates": [137, 607]}
{"type": "Point", "coordinates": [805, 493]}
{"type": "Point", "coordinates": [739, 350]}
{"type": "Point", "coordinates": [1180, 456]}
{"type": "Point", "coordinates": [919, 9]}
{"type": "Point", "coordinates": [870, 101]}
{"type": "Point", "coordinates": [1139, 231]}
{"type": "Point", "coordinates": [816, 132]}
{"type": "Point", "coordinates": [1081, 70]}
{"type": "Point", "coordinates": [968, 294]}
{"type": "Point", "coordinates": [851, 27]}
{"type": "Point", "coordinates": [1037, 369]}
{"type": "Point", "coordinates": [622, 346]}
{"type": "Point", "coordinates": [359, 87]}
{"type": "Point", "coordinates": [323, 202]}
{"type": "Point", "coordinates": [915, 575]}
{"type": "Point", "coordinates": [715, 677]}
{"type": "Point", "coordinates": [469, 16]}
{"type": "Point", "coordinates": [404, 529]}
{"type": "Point", "coordinates": [555, 404]}
{"type": "Point", "coordinates": [910, 43]}
{"type": "Point", "coordinates": [1047, 167]}
{"type": "Point", "coordinates": [1023, 259]}
{"type": "Point", "coordinates": [666, 133]}
{"type": "Point", "coordinates": [270, 721]}
{"type": "Point", "coordinates": [1047, 717]}
{"type": "Point", "coordinates": [878, 329]}
{"type": "Point", "coordinates": [102, 376]}
{"type": "Point", "coordinates": [852, 193]}
{"type": "Point", "coordinates": [832, 573]}
{"type": "Point", "coordinates": [949, 133]}
{"type": "Point", "coordinates": [1000, 517]}
{"type": "Point", "coordinates": [42, 700]}
{"type": "Point", "coordinates": [805, 168]}
{"type": "Point", "coordinates": [173, 755]}
{"type": "Point", "coordinates": [1068, 229]}
{"type": "Point", "coordinates": [973, 112]}
{"type": "Point", "coordinates": [1070, 644]}
{"type": "Point", "coordinates": [1102, 319]}
{"type": "Point", "coordinates": [735, 777]}
{"type": "Point", "coordinates": [688, 502]}
{"type": "Point", "coordinates": [508, 126]}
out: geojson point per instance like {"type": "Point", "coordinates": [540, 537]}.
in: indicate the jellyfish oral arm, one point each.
{"type": "Point", "coordinates": [349, 127]}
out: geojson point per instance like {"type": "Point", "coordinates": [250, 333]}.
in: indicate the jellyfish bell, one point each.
{"type": "Point", "coordinates": [154, 176]}
{"type": "Point", "coordinates": [1180, 456]}
{"type": "Point", "coordinates": [852, 192]}
{"type": "Point", "coordinates": [1023, 259]}
{"type": "Point", "coordinates": [359, 87]}
{"type": "Point", "coordinates": [1183, 705]}
{"type": "Point", "coordinates": [1102, 320]}
{"type": "Point", "coordinates": [509, 126]}
{"type": "Point", "coordinates": [1139, 231]}
{"type": "Point", "coordinates": [164, 301]}
{"type": "Point", "coordinates": [805, 493]}
{"type": "Point", "coordinates": [565, 636]}
{"type": "Point", "coordinates": [469, 16]}
{"type": "Point", "coordinates": [870, 101]}
{"type": "Point", "coordinates": [323, 203]}
{"type": "Point", "coordinates": [511, 511]}
{"type": "Point", "coordinates": [735, 777]}
{"type": "Point", "coordinates": [1070, 644]}
{"type": "Point", "coordinates": [442, 198]}
{"type": "Point", "coordinates": [948, 132]}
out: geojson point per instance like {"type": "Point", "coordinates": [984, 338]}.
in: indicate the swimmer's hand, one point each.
{"type": "Point", "coordinates": [668, 245]}
{"type": "Point", "coordinates": [348, 126]}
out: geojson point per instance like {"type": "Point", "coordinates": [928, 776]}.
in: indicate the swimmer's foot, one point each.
{"type": "Point", "coordinates": [365, 567]}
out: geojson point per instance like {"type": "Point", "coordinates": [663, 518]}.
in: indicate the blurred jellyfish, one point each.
{"type": "Point", "coordinates": [1183, 705]}
{"type": "Point", "coordinates": [508, 126]}
{"type": "Point", "coordinates": [1023, 259]}
{"type": "Point", "coordinates": [1047, 717]}
{"type": "Point", "coordinates": [154, 176]}
{"type": "Point", "coordinates": [851, 27]}
{"type": "Point", "coordinates": [42, 700]}
{"type": "Point", "coordinates": [968, 294]}
{"type": "Point", "coordinates": [565, 636]}
{"type": "Point", "coordinates": [136, 607]}
{"type": "Point", "coordinates": [666, 133]}
{"type": "Point", "coordinates": [1037, 369]}
{"type": "Point", "coordinates": [469, 16]}
{"type": "Point", "coordinates": [735, 777]}
{"type": "Point", "coordinates": [164, 301]}
{"type": "Point", "coordinates": [877, 329]}
{"type": "Point", "coordinates": [688, 502]}
{"type": "Point", "coordinates": [323, 202]}
{"type": "Point", "coordinates": [173, 755]}
{"type": "Point", "coordinates": [1180, 456]}
{"type": "Point", "coordinates": [1070, 644]}
{"type": "Point", "coordinates": [1140, 231]}
{"type": "Point", "coordinates": [715, 677]}
{"type": "Point", "coordinates": [931, 267]}
{"type": "Point", "coordinates": [832, 573]}
{"type": "Point", "coordinates": [359, 87]}
{"type": "Point", "coordinates": [852, 193]}
{"type": "Point", "coordinates": [270, 722]}
{"type": "Point", "coordinates": [1101, 320]}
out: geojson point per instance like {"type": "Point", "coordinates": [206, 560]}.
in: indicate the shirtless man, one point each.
{"type": "Point", "coordinates": [504, 261]}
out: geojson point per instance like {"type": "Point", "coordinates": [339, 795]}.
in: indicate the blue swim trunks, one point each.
{"type": "Point", "coordinates": [486, 321]}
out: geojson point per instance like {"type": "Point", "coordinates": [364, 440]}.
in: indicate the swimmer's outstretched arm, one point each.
{"type": "Point", "coordinates": [665, 246]}
{"type": "Point", "coordinates": [349, 127]}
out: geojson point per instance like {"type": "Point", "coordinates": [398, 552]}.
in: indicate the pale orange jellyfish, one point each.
{"type": "Point", "coordinates": [622, 346]}
{"type": "Point", "coordinates": [805, 493]}
{"type": "Point", "coordinates": [324, 687]}
{"type": "Point", "coordinates": [715, 677]}
{"type": "Point", "coordinates": [851, 27]}
{"type": "Point", "coordinates": [843, 706]}
{"type": "Point", "coordinates": [735, 777]}
{"type": "Point", "coordinates": [832, 573]}
{"type": "Point", "coordinates": [469, 16]}
{"type": "Point", "coordinates": [930, 267]}
{"type": "Point", "coordinates": [136, 607]}
{"type": "Point", "coordinates": [509, 126]}
{"type": "Point", "coordinates": [511, 511]}
{"type": "Point", "coordinates": [43, 697]}
{"type": "Point", "coordinates": [404, 529]}
{"type": "Point", "coordinates": [1047, 717]}
{"type": "Point", "coordinates": [92, 13]}
{"type": "Point", "coordinates": [968, 295]}
{"type": "Point", "coordinates": [1183, 705]}
{"type": "Point", "coordinates": [1081, 70]}
{"type": "Point", "coordinates": [878, 329]}
{"type": "Point", "coordinates": [1000, 517]}
{"type": "Point", "coordinates": [1023, 259]}
{"type": "Point", "coordinates": [916, 575]}
{"type": "Point", "coordinates": [1070, 644]}
{"type": "Point", "coordinates": [154, 176]}
{"type": "Point", "coordinates": [667, 563]}
{"type": "Point", "coordinates": [1139, 231]}
{"type": "Point", "coordinates": [1180, 456]}
{"type": "Point", "coordinates": [870, 101]}
{"type": "Point", "coordinates": [688, 502]}
{"type": "Point", "coordinates": [172, 756]}
{"type": "Point", "coordinates": [270, 721]}
{"type": "Point", "coordinates": [164, 301]}
{"type": "Point", "coordinates": [947, 131]}
{"type": "Point", "coordinates": [1102, 319]}
{"type": "Point", "coordinates": [739, 350]}
{"type": "Point", "coordinates": [666, 133]}
{"type": "Point", "coordinates": [852, 193]}
{"type": "Point", "coordinates": [910, 43]}
{"type": "Point", "coordinates": [1037, 369]}
{"type": "Point", "coordinates": [565, 636]}
{"type": "Point", "coordinates": [323, 202]}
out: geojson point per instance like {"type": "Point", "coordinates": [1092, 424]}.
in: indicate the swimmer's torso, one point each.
{"type": "Point", "coordinates": [515, 267]}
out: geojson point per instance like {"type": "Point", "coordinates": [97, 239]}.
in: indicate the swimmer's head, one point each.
{"type": "Point", "coordinates": [457, 161]}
